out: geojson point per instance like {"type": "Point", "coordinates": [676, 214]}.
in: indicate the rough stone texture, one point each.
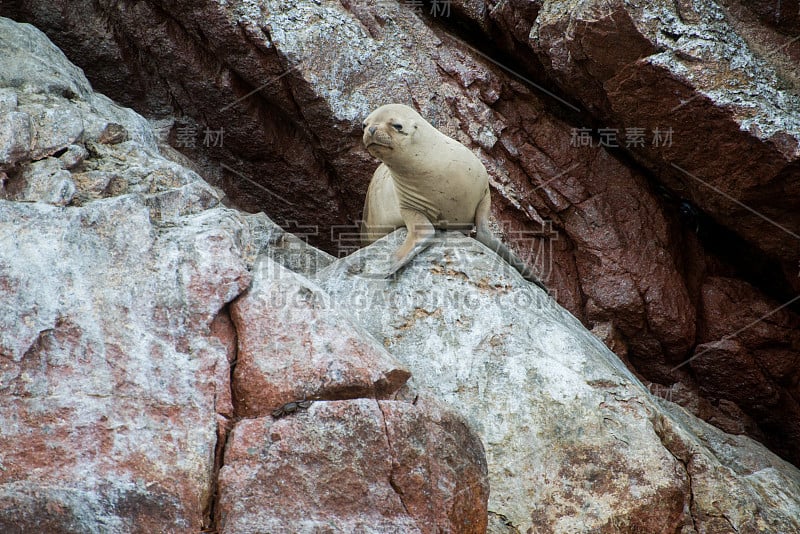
{"type": "Point", "coordinates": [295, 253]}
{"type": "Point", "coordinates": [625, 246]}
{"type": "Point", "coordinates": [117, 336]}
{"type": "Point", "coordinates": [354, 466]}
{"type": "Point", "coordinates": [726, 88]}
{"type": "Point", "coordinates": [192, 67]}
{"type": "Point", "coordinates": [33, 129]}
{"type": "Point", "coordinates": [293, 345]}
{"type": "Point", "coordinates": [110, 379]}
{"type": "Point", "coordinates": [682, 66]}
{"type": "Point", "coordinates": [759, 368]}
{"type": "Point", "coordinates": [737, 486]}
{"type": "Point", "coordinates": [784, 15]}
{"type": "Point", "coordinates": [574, 442]}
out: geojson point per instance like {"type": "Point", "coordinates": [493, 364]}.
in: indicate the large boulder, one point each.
{"type": "Point", "coordinates": [129, 296]}
{"type": "Point", "coordinates": [371, 464]}
{"type": "Point", "coordinates": [574, 442]}
{"type": "Point", "coordinates": [292, 345]}
{"type": "Point", "coordinates": [355, 466]}
{"type": "Point", "coordinates": [114, 264]}
{"type": "Point", "coordinates": [684, 68]}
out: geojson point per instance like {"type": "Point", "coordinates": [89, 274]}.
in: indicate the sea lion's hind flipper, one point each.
{"type": "Point", "coordinates": [484, 234]}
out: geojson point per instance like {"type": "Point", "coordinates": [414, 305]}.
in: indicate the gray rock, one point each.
{"type": "Point", "coordinates": [295, 254]}
{"type": "Point", "coordinates": [46, 94]}
{"type": "Point", "coordinates": [111, 382]}
{"type": "Point", "coordinates": [110, 306]}
{"type": "Point", "coordinates": [73, 157]}
{"type": "Point", "coordinates": [15, 137]}
{"type": "Point", "coordinates": [44, 181]}
{"type": "Point", "coordinates": [8, 100]}
{"type": "Point", "coordinates": [574, 441]}
{"type": "Point", "coordinates": [104, 332]}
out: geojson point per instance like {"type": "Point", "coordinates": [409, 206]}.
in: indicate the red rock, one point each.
{"type": "Point", "coordinates": [623, 65]}
{"type": "Point", "coordinates": [632, 68]}
{"type": "Point", "coordinates": [449, 493]}
{"type": "Point", "coordinates": [294, 344]}
{"type": "Point", "coordinates": [608, 260]}
{"type": "Point", "coordinates": [106, 420]}
{"type": "Point", "coordinates": [785, 14]}
{"type": "Point", "coordinates": [748, 355]}
{"type": "Point", "coordinates": [354, 466]}
{"type": "Point", "coordinates": [729, 370]}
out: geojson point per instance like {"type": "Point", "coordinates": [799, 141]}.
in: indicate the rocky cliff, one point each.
{"type": "Point", "coordinates": [149, 331]}
{"type": "Point", "coordinates": [644, 155]}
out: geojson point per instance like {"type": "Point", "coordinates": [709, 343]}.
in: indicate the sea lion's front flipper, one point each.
{"type": "Point", "coordinates": [420, 234]}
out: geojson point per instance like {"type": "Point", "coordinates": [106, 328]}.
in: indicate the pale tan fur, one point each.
{"type": "Point", "coordinates": [426, 181]}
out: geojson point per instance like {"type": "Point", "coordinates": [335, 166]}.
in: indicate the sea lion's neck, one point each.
{"type": "Point", "coordinates": [409, 171]}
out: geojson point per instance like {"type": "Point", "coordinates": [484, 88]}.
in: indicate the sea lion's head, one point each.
{"type": "Point", "coordinates": [390, 129]}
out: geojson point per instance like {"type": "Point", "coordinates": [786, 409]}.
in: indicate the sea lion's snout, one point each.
{"type": "Point", "coordinates": [376, 137]}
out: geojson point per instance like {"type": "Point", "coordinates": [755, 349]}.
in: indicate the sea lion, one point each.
{"type": "Point", "coordinates": [426, 181]}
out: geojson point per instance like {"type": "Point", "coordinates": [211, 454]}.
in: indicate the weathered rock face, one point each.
{"type": "Point", "coordinates": [690, 110]}
{"type": "Point", "coordinates": [498, 350]}
{"type": "Point", "coordinates": [724, 86]}
{"type": "Point", "coordinates": [111, 380]}
{"type": "Point", "coordinates": [293, 346]}
{"type": "Point", "coordinates": [360, 465]}
{"type": "Point", "coordinates": [574, 443]}
{"type": "Point", "coordinates": [757, 368]}
{"type": "Point", "coordinates": [118, 345]}
{"type": "Point", "coordinates": [355, 466]}
{"type": "Point", "coordinates": [124, 312]}
{"type": "Point", "coordinates": [681, 67]}
{"type": "Point", "coordinates": [783, 15]}
{"type": "Point", "coordinates": [195, 67]}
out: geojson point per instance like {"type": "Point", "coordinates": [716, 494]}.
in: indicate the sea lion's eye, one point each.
{"type": "Point", "coordinates": [398, 127]}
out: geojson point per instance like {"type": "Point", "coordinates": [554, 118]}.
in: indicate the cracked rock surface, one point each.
{"type": "Point", "coordinates": [147, 331]}
{"type": "Point", "coordinates": [119, 338]}
{"type": "Point", "coordinates": [574, 442]}
{"type": "Point", "coordinates": [688, 171]}
{"type": "Point", "coordinates": [355, 466]}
